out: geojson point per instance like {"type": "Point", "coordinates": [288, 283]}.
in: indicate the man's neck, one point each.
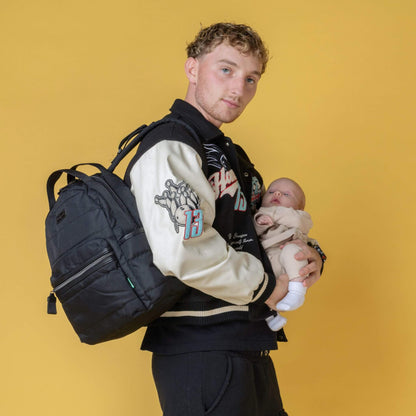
{"type": "Point", "coordinates": [190, 99]}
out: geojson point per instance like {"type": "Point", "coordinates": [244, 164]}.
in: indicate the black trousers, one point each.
{"type": "Point", "coordinates": [218, 383]}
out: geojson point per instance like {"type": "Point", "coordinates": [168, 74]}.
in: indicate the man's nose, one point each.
{"type": "Point", "coordinates": [237, 87]}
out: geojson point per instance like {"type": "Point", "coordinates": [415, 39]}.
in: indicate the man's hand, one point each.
{"type": "Point", "coordinates": [313, 268]}
{"type": "Point", "coordinates": [279, 292]}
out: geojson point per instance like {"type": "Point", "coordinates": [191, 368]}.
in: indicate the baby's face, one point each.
{"type": "Point", "coordinates": [284, 193]}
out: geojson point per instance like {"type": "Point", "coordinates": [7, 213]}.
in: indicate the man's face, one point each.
{"type": "Point", "coordinates": [222, 83]}
{"type": "Point", "coordinates": [283, 193]}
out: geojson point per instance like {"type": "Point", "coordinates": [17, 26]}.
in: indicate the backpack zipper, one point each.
{"type": "Point", "coordinates": [106, 258]}
{"type": "Point", "coordinates": [131, 234]}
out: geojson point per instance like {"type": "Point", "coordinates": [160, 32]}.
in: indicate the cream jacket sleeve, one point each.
{"type": "Point", "coordinates": [203, 261]}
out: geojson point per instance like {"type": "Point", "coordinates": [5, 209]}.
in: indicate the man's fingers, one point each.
{"type": "Point", "coordinates": [300, 255]}
{"type": "Point", "coordinates": [312, 271]}
{"type": "Point", "coordinates": [308, 269]}
{"type": "Point", "coordinates": [311, 279]}
{"type": "Point", "coordinates": [279, 292]}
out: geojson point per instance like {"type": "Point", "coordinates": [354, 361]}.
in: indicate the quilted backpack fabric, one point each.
{"type": "Point", "coordinates": [102, 266]}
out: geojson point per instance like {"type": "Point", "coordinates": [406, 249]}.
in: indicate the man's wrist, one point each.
{"type": "Point", "coordinates": [314, 244]}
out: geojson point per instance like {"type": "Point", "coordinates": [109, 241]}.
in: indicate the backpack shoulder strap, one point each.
{"type": "Point", "coordinates": [135, 137]}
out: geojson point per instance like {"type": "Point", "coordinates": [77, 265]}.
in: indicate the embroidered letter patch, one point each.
{"type": "Point", "coordinates": [182, 204]}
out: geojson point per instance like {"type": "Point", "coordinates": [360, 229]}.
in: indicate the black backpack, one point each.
{"type": "Point", "coordinates": [102, 265]}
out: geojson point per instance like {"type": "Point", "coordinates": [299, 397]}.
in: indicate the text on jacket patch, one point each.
{"type": "Point", "coordinates": [239, 241]}
{"type": "Point", "coordinates": [182, 204]}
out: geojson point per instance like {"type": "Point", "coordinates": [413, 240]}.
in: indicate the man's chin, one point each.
{"type": "Point", "coordinates": [229, 118]}
{"type": "Point", "coordinates": [225, 117]}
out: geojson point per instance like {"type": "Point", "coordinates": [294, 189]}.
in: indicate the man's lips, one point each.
{"type": "Point", "coordinates": [231, 103]}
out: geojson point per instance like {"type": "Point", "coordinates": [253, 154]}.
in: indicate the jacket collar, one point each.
{"type": "Point", "coordinates": [189, 113]}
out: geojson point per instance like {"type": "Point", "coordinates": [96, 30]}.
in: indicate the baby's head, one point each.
{"type": "Point", "coordinates": [284, 192]}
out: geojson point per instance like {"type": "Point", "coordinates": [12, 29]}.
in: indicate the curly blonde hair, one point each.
{"type": "Point", "coordinates": [240, 36]}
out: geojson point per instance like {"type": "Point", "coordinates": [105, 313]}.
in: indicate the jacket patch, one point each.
{"type": "Point", "coordinates": [224, 181]}
{"type": "Point", "coordinates": [255, 193]}
{"type": "Point", "coordinates": [182, 204]}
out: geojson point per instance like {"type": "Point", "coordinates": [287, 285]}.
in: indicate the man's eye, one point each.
{"type": "Point", "coordinates": [225, 70]}
{"type": "Point", "coordinates": [251, 80]}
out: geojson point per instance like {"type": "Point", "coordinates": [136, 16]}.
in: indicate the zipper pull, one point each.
{"type": "Point", "coordinates": [52, 304]}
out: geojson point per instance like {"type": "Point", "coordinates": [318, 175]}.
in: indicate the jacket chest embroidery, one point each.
{"type": "Point", "coordinates": [255, 192]}
{"type": "Point", "coordinates": [239, 241]}
{"type": "Point", "coordinates": [224, 180]}
{"type": "Point", "coordinates": [226, 183]}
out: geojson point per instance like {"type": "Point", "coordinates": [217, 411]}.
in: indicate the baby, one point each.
{"type": "Point", "coordinates": [281, 218]}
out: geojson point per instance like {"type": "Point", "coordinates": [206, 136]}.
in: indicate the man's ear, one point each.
{"type": "Point", "coordinates": [191, 70]}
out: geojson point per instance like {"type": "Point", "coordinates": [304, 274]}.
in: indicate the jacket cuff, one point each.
{"type": "Point", "coordinates": [258, 310]}
{"type": "Point", "coordinates": [265, 288]}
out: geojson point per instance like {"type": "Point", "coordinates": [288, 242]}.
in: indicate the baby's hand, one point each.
{"type": "Point", "coordinates": [264, 220]}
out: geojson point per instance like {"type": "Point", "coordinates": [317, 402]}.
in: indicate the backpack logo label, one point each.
{"type": "Point", "coordinates": [60, 216]}
{"type": "Point", "coordinates": [182, 204]}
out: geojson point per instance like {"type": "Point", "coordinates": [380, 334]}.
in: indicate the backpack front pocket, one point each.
{"type": "Point", "coordinates": [67, 282]}
{"type": "Point", "coordinates": [96, 295]}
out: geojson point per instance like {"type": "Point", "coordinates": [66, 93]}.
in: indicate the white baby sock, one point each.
{"type": "Point", "coordinates": [276, 322]}
{"type": "Point", "coordinates": [294, 299]}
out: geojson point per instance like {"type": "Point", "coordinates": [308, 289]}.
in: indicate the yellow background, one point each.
{"type": "Point", "coordinates": [335, 110]}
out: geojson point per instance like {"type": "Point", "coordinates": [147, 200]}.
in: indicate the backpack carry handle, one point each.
{"type": "Point", "coordinates": [124, 148]}
{"type": "Point", "coordinates": [71, 178]}
{"type": "Point", "coordinates": [54, 177]}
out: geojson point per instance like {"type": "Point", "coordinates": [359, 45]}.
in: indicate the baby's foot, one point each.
{"type": "Point", "coordinates": [294, 299]}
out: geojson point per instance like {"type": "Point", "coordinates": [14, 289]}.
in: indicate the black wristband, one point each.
{"type": "Point", "coordinates": [315, 245]}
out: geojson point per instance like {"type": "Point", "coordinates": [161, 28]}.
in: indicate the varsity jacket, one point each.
{"type": "Point", "coordinates": [196, 199]}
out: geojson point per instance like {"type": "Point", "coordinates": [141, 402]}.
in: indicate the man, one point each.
{"type": "Point", "coordinates": [210, 352]}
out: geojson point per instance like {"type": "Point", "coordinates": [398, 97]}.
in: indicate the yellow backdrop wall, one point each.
{"type": "Point", "coordinates": [335, 110]}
